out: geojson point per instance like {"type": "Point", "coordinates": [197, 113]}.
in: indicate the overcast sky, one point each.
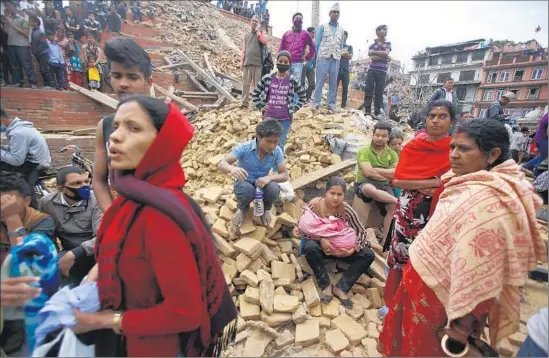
{"type": "Point", "coordinates": [414, 25]}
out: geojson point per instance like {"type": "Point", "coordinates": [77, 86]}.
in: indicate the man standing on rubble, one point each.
{"type": "Point", "coordinates": [377, 72]}
{"type": "Point", "coordinates": [329, 41]}
{"type": "Point", "coordinates": [252, 58]}
{"type": "Point", "coordinates": [294, 41]}
{"type": "Point", "coordinates": [346, 56]}
{"type": "Point", "coordinates": [130, 73]}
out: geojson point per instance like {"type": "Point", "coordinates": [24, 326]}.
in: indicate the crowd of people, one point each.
{"type": "Point", "coordinates": [64, 42]}
{"type": "Point", "coordinates": [459, 217]}
{"type": "Point", "coordinates": [241, 7]}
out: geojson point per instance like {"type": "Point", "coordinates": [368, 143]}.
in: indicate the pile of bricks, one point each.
{"type": "Point", "coordinates": [275, 290]}
{"type": "Point", "coordinates": [218, 131]}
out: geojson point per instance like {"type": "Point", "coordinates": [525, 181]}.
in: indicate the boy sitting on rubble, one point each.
{"type": "Point", "coordinates": [256, 158]}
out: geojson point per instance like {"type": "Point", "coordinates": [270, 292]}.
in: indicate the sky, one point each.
{"type": "Point", "coordinates": [414, 25]}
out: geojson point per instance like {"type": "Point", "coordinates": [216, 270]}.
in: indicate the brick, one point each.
{"type": "Point", "coordinates": [331, 309]}
{"type": "Point", "coordinates": [286, 220]}
{"type": "Point", "coordinates": [304, 265]}
{"type": "Point", "coordinates": [373, 332]}
{"type": "Point", "coordinates": [280, 291]}
{"type": "Point", "coordinates": [517, 338]}
{"type": "Point", "coordinates": [225, 213]}
{"type": "Point", "coordinates": [247, 226]}
{"type": "Point", "coordinates": [298, 294]}
{"type": "Point", "coordinates": [276, 319]}
{"type": "Point", "coordinates": [231, 204]}
{"type": "Point", "coordinates": [212, 194]}
{"type": "Point", "coordinates": [284, 257]}
{"type": "Point", "coordinates": [229, 271]}
{"type": "Point", "coordinates": [360, 303]}
{"type": "Point", "coordinates": [282, 270]}
{"type": "Point", "coordinates": [285, 303]}
{"type": "Point", "coordinates": [316, 311]}
{"type": "Point", "coordinates": [249, 277]}
{"type": "Point", "coordinates": [357, 289]}
{"type": "Point", "coordinates": [336, 341]}
{"type": "Point", "coordinates": [352, 330]}
{"type": "Point", "coordinates": [249, 311]}
{"type": "Point", "coordinates": [216, 159]}
{"type": "Point", "coordinates": [220, 228]}
{"type": "Point", "coordinates": [371, 316]}
{"type": "Point", "coordinates": [252, 295]}
{"type": "Point", "coordinates": [286, 246]}
{"type": "Point", "coordinates": [258, 234]}
{"type": "Point", "coordinates": [375, 297]}
{"type": "Point", "coordinates": [364, 280]}
{"type": "Point", "coordinates": [307, 333]}
{"type": "Point", "coordinates": [380, 285]}
{"type": "Point", "coordinates": [268, 254]}
{"type": "Point", "coordinates": [256, 265]}
{"type": "Point", "coordinates": [240, 324]}
{"type": "Point", "coordinates": [242, 262]}
{"type": "Point", "coordinates": [370, 345]}
{"type": "Point", "coordinates": [300, 314]}
{"type": "Point", "coordinates": [284, 339]}
{"type": "Point", "coordinates": [345, 354]}
{"type": "Point", "coordinates": [266, 296]}
{"type": "Point", "coordinates": [263, 275]}
{"type": "Point", "coordinates": [324, 322]}
{"type": "Point", "coordinates": [223, 246]}
{"type": "Point", "coordinates": [247, 246]}
{"type": "Point", "coordinates": [310, 293]}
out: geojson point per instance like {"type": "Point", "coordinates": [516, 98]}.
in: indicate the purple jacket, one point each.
{"type": "Point", "coordinates": [295, 43]}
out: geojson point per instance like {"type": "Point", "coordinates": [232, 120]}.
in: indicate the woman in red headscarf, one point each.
{"type": "Point", "coordinates": [422, 162]}
{"type": "Point", "coordinates": [161, 288]}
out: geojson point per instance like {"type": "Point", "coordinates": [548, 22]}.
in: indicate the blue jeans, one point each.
{"type": "Point", "coordinates": [542, 155]}
{"type": "Point", "coordinates": [20, 59]}
{"type": "Point", "coordinates": [326, 67]}
{"type": "Point", "coordinates": [530, 349]}
{"type": "Point", "coordinates": [286, 124]}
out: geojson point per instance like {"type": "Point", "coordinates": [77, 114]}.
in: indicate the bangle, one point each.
{"type": "Point", "coordinates": [117, 323]}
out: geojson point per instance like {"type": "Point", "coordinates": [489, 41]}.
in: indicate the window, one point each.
{"type": "Point", "coordinates": [467, 75]}
{"type": "Point", "coordinates": [460, 92]}
{"type": "Point", "coordinates": [462, 57]}
{"type": "Point", "coordinates": [423, 79]}
{"type": "Point", "coordinates": [532, 93]}
{"type": "Point", "coordinates": [433, 61]}
{"type": "Point", "coordinates": [499, 92]}
{"type": "Point", "coordinates": [504, 76]}
{"type": "Point", "coordinates": [491, 78]}
{"type": "Point", "coordinates": [519, 74]}
{"type": "Point", "coordinates": [488, 95]}
{"type": "Point", "coordinates": [443, 77]}
{"type": "Point", "coordinates": [478, 55]}
{"type": "Point", "coordinates": [419, 63]}
{"type": "Point", "coordinates": [447, 59]}
{"type": "Point", "coordinates": [537, 73]}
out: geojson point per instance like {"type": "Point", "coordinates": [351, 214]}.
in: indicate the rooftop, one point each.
{"type": "Point", "coordinates": [460, 46]}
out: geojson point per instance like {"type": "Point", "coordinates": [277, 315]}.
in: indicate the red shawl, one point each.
{"type": "Point", "coordinates": [423, 159]}
{"type": "Point", "coordinates": [157, 183]}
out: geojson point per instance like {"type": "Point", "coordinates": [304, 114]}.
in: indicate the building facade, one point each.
{"type": "Point", "coordinates": [462, 62]}
{"type": "Point", "coordinates": [519, 68]}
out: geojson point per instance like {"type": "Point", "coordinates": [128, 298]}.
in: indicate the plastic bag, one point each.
{"type": "Point", "coordinates": [70, 346]}
{"type": "Point", "coordinates": [286, 191]}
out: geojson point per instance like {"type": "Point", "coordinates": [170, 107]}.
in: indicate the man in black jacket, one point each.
{"type": "Point", "coordinates": [445, 92]}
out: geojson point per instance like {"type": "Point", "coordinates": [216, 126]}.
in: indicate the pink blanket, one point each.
{"type": "Point", "coordinates": [340, 235]}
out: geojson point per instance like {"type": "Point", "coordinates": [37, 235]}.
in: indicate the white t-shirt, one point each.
{"type": "Point", "coordinates": [538, 327]}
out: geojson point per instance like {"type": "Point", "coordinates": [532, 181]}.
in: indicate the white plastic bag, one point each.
{"type": "Point", "coordinates": [286, 191]}
{"type": "Point", "coordinates": [70, 346]}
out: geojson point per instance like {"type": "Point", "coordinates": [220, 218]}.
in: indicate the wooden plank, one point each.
{"type": "Point", "coordinates": [179, 100]}
{"type": "Point", "coordinates": [208, 65]}
{"type": "Point", "coordinates": [168, 61]}
{"type": "Point", "coordinates": [319, 174]}
{"type": "Point", "coordinates": [96, 96]}
{"type": "Point", "coordinates": [203, 73]}
{"type": "Point", "coordinates": [195, 81]}
{"type": "Point", "coordinates": [173, 65]}
{"type": "Point", "coordinates": [171, 89]}
{"type": "Point", "coordinates": [237, 83]}
{"type": "Point", "coordinates": [84, 131]}
{"type": "Point", "coordinates": [181, 93]}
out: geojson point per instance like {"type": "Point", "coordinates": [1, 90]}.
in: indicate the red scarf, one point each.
{"type": "Point", "coordinates": [423, 159]}
{"type": "Point", "coordinates": [152, 184]}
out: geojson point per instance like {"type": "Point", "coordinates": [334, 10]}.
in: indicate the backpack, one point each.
{"type": "Point", "coordinates": [267, 60]}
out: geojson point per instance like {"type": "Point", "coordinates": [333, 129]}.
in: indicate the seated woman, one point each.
{"type": "Point", "coordinates": [161, 288]}
{"type": "Point", "coordinates": [325, 244]}
{"type": "Point", "coordinates": [468, 262]}
{"type": "Point", "coordinates": [422, 162]}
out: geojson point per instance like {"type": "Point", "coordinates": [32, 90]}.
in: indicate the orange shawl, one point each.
{"type": "Point", "coordinates": [480, 244]}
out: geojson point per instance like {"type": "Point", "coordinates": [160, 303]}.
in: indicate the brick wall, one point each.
{"type": "Point", "coordinates": [56, 142]}
{"type": "Point", "coordinates": [50, 109]}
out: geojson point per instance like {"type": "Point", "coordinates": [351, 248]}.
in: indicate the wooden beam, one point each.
{"type": "Point", "coordinates": [321, 173]}
{"type": "Point", "coordinates": [237, 83]}
{"type": "Point", "coordinates": [171, 89]}
{"type": "Point", "coordinates": [203, 73]}
{"type": "Point", "coordinates": [179, 100]}
{"type": "Point", "coordinates": [181, 93]}
{"type": "Point", "coordinates": [168, 61]}
{"type": "Point", "coordinates": [195, 81]}
{"type": "Point", "coordinates": [84, 131]}
{"type": "Point", "coordinates": [208, 65]}
{"type": "Point", "coordinates": [173, 65]}
{"type": "Point", "coordinates": [95, 95]}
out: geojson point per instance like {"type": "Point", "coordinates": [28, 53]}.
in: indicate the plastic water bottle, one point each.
{"type": "Point", "coordinates": [259, 208]}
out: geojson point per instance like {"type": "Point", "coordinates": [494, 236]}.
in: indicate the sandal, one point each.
{"type": "Point", "coordinates": [324, 298]}
{"type": "Point", "coordinates": [347, 303]}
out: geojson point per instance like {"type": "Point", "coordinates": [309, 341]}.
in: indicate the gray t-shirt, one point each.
{"type": "Point", "coordinates": [15, 38]}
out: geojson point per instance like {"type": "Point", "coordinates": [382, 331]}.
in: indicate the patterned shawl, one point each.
{"type": "Point", "coordinates": [480, 244]}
